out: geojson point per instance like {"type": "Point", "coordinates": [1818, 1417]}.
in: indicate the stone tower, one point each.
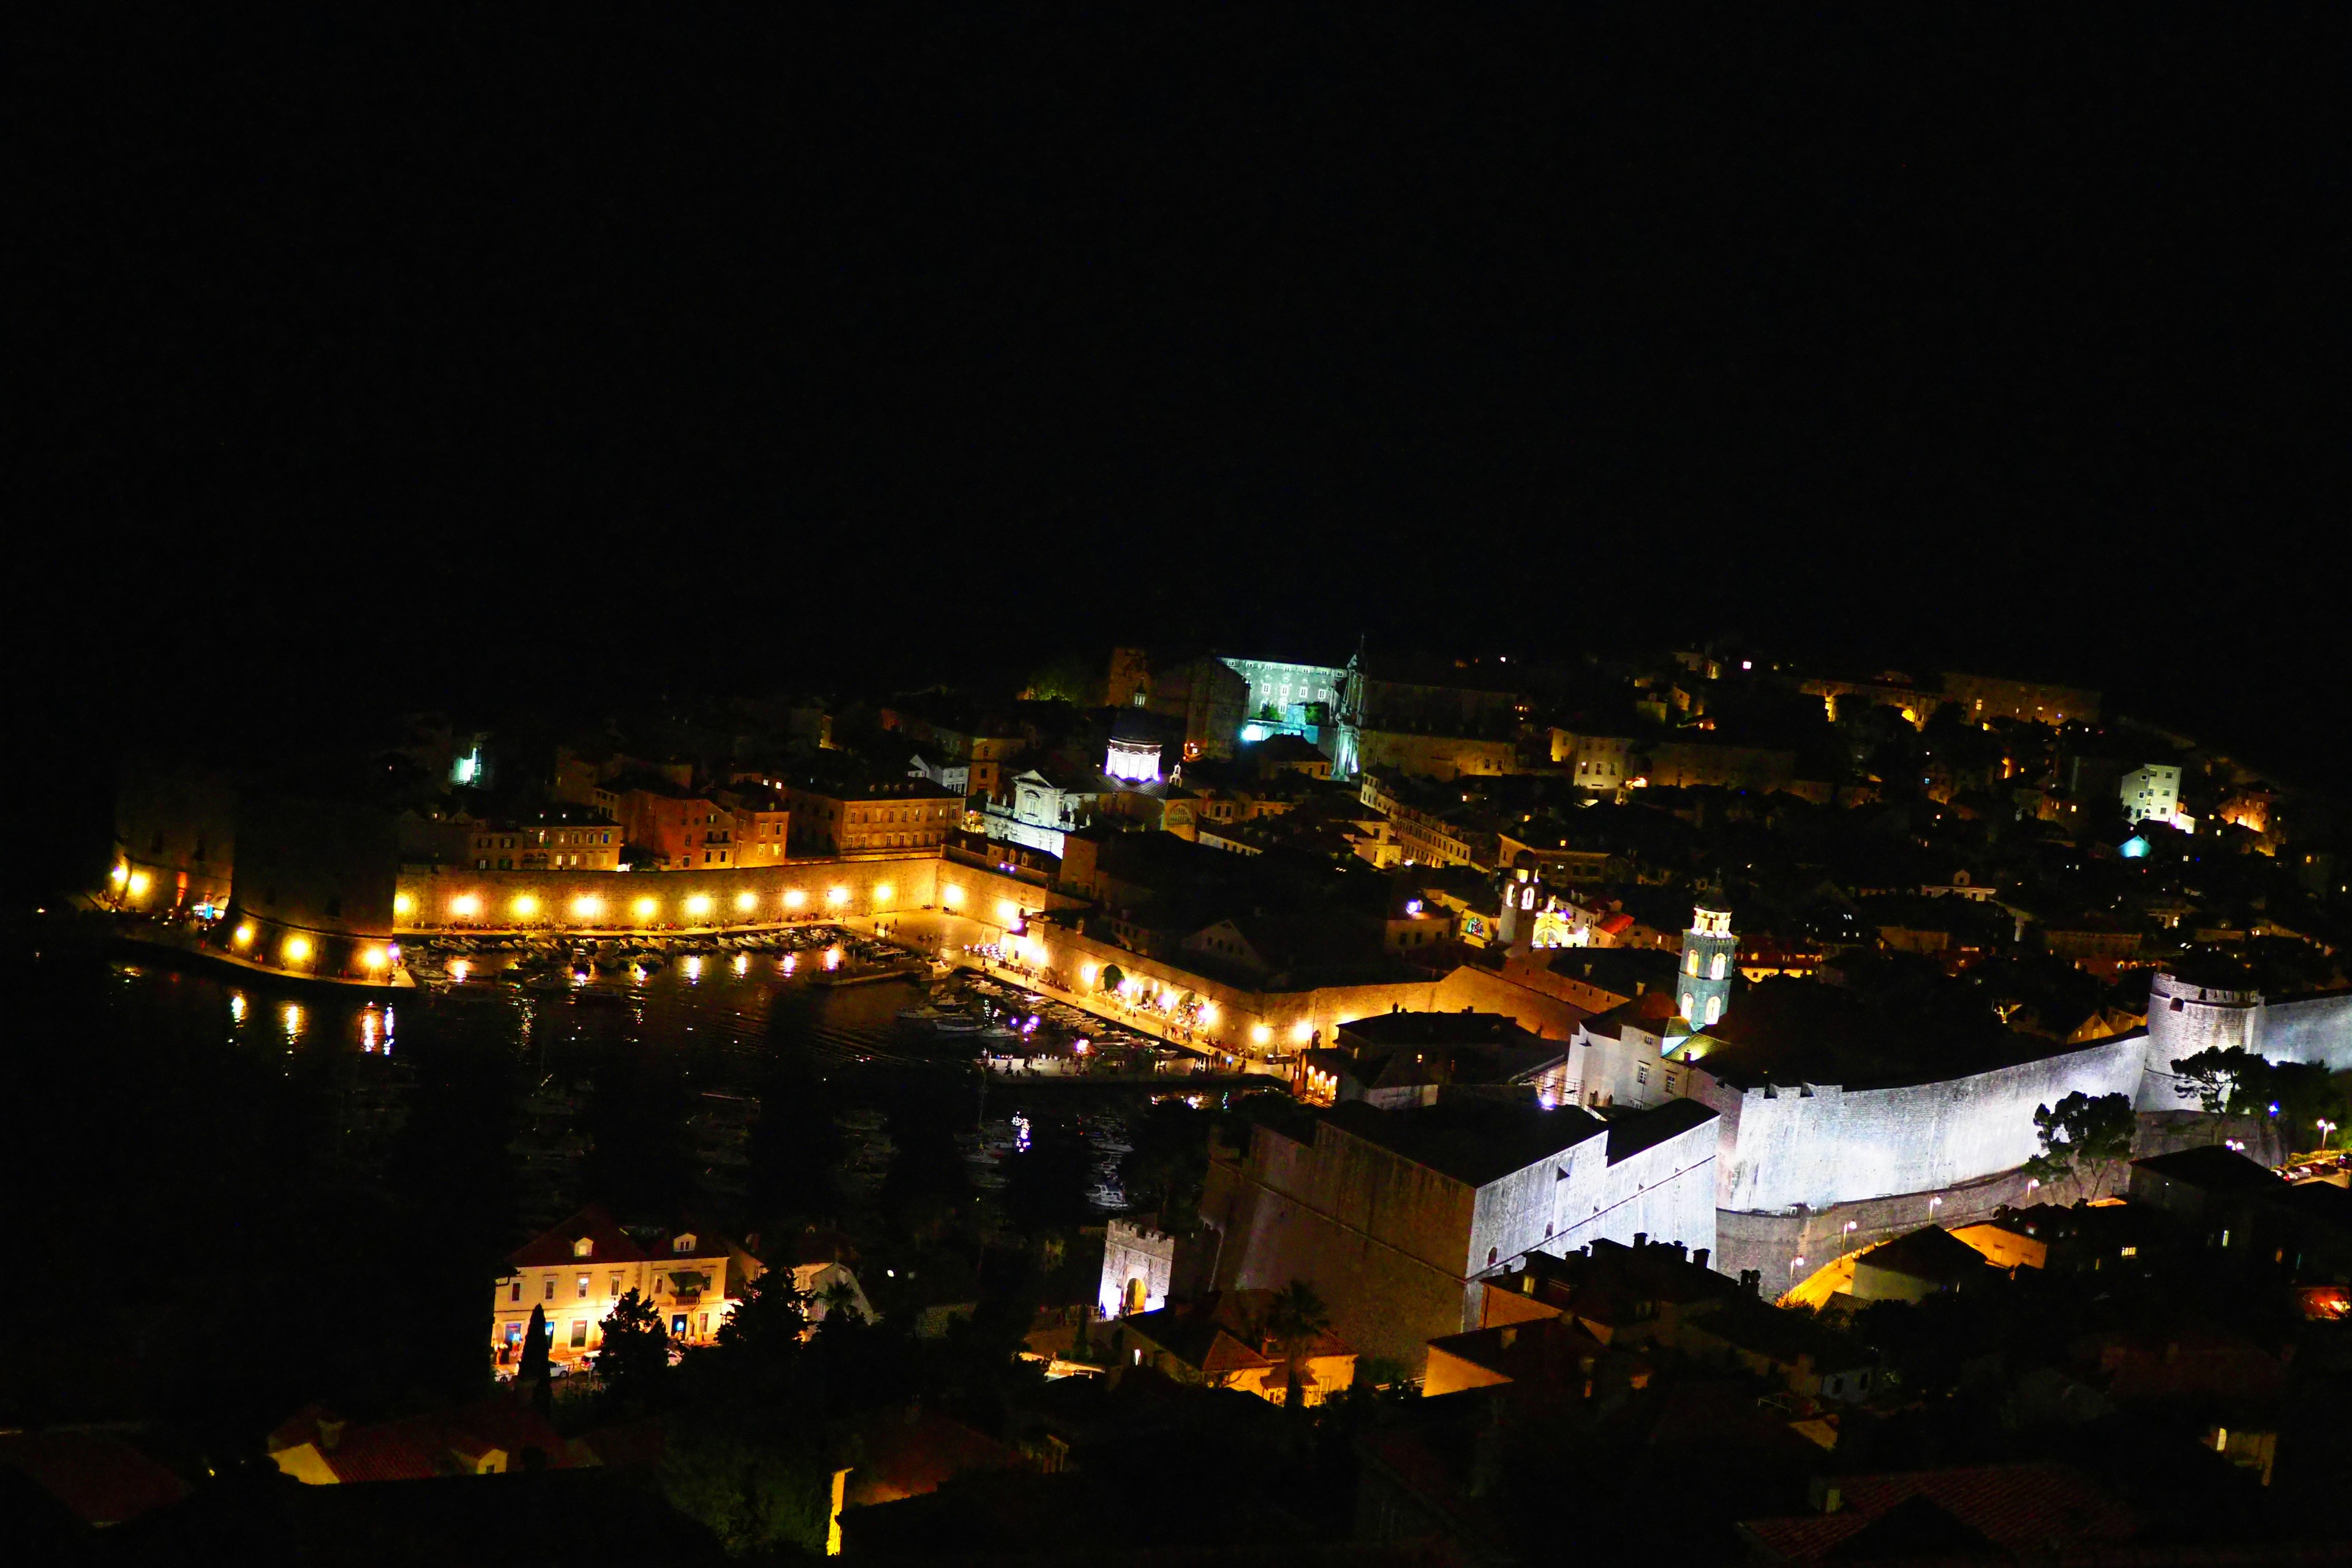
{"type": "Point", "coordinates": [1522, 894]}
{"type": "Point", "coordinates": [1710, 960]}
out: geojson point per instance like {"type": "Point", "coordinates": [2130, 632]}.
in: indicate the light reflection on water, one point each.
{"type": "Point", "coordinates": [724, 1022]}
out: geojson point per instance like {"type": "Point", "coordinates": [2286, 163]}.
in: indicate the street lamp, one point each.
{"type": "Point", "coordinates": [2325, 1127]}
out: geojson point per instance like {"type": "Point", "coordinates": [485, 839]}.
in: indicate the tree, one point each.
{"type": "Point", "coordinates": [2224, 1081]}
{"type": "Point", "coordinates": [840, 1299]}
{"type": "Point", "coordinates": [2084, 1139]}
{"type": "Point", "coordinates": [1294, 1319]}
{"type": "Point", "coordinates": [1113, 977]}
{"type": "Point", "coordinates": [749, 1454]}
{"type": "Point", "coordinates": [634, 1358]}
{"type": "Point", "coordinates": [535, 1377]}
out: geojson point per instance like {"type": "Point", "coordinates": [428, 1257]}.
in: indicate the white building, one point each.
{"type": "Point", "coordinates": [1277, 685]}
{"type": "Point", "coordinates": [1594, 761]}
{"type": "Point", "coordinates": [2151, 792]}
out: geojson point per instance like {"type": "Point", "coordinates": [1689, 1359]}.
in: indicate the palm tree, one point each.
{"type": "Point", "coordinates": [1293, 1320]}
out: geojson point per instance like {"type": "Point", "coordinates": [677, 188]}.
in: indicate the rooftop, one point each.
{"type": "Point", "coordinates": [2212, 1168]}
{"type": "Point", "coordinates": [1789, 1031]}
{"type": "Point", "coordinates": [1473, 1141]}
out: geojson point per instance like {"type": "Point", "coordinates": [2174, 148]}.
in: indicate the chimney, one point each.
{"type": "Point", "coordinates": [1641, 1239]}
{"type": "Point", "coordinates": [1827, 1495]}
{"type": "Point", "coordinates": [1699, 1256]}
{"type": "Point", "coordinates": [331, 1433]}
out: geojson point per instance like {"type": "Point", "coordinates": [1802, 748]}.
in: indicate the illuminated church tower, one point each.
{"type": "Point", "coordinates": [1710, 954]}
{"type": "Point", "coordinates": [1522, 886]}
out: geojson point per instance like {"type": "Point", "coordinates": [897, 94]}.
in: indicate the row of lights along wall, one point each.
{"type": "Point", "coordinates": [592, 909]}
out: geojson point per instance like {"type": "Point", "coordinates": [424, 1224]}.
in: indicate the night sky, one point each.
{"type": "Point", "coordinates": [390, 358]}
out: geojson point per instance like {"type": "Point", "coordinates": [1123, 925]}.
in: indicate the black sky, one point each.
{"type": "Point", "coordinates": [426, 351]}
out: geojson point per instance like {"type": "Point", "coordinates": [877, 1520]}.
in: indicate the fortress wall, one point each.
{"type": "Point", "coordinates": [1824, 1145]}
{"type": "Point", "coordinates": [427, 896]}
{"type": "Point", "coordinates": [2307, 1029]}
{"type": "Point", "coordinates": [1785, 1247]}
{"type": "Point", "coordinates": [1532, 1210]}
{"type": "Point", "coordinates": [1666, 1193]}
{"type": "Point", "coordinates": [1370, 1255]}
{"type": "Point", "coordinates": [1550, 1016]}
{"type": "Point", "coordinates": [431, 896]}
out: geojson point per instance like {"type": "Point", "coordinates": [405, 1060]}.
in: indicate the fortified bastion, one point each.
{"type": "Point", "coordinates": [1840, 1126]}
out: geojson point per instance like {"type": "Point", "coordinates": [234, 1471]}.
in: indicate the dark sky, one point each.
{"type": "Point", "coordinates": [414, 353]}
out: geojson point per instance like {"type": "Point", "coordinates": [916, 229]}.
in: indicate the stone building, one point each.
{"type": "Point", "coordinates": [1138, 1266]}
{"type": "Point", "coordinates": [174, 837]}
{"type": "Point", "coordinates": [848, 818]}
{"type": "Point", "coordinates": [1710, 957]}
{"type": "Point", "coordinates": [1396, 1216]}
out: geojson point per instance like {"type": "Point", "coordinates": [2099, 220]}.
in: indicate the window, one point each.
{"type": "Point", "coordinates": [677, 1325]}
{"type": "Point", "coordinates": [613, 1286]}
{"type": "Point", "coordinates": [550, 1288]}
{"type": "Point", "coordinates": [579, 1332]}
{"type": "Point", "coordinates": [584, 1287]}
{"type": "Point", "coordinates": [516, 1294]}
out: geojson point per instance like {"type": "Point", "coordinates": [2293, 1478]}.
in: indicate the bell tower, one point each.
{"type": "Point", "coordinates": [1522, 894]}
{"type": "Point", "coordinates": [1710, 951]}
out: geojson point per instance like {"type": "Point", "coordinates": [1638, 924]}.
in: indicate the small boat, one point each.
{"type": "Point", "coordinates": [922, 1012]}
{"type": "Point", "coordinates": [956, 1024]}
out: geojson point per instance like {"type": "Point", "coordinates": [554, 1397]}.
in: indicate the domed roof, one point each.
{"type": "Point", "coordinates": [1134, 724]}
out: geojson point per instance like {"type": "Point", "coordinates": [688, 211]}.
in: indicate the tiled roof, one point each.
{"type": "Point", "coordinates": [101, 1478]}
{"type": "Point", "coordinates": [422, 1447]}
{"type": "Point", "coordinates": [612, 1244]}
{"type": "Point", "coordinates": [2019, 1508]}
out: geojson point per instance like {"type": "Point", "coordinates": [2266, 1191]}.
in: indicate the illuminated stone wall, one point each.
{"type": "Point", "coordinates": [1399, 1250]}
{"type": "Point", "coordinates": [2307, 1029]}
{"type": "Point", "coordinates": [445, 899]}
{"type": "Point", "coordinates": [1383, 1240]}
{"type": "Point", "coordinates": [175, 837]}
{"type": "Point", "coordinates": [1822, 1144]}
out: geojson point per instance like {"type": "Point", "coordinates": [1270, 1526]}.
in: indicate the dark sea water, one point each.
{"type": "Point", "coordinates": [282, 1191]}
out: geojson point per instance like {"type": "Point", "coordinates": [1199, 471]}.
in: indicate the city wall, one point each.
{"type": "Point", "coordinates": [456, 898]}
{"type": "Point", "coordinates": [2184, 1019]}
{"type": "Point", "coordinates": [1369, 1227]}
{"type": "Point", "coordinates": [1666, 1193]}
{"type": "Point", "coordinates": [1254, 1022]}
{"type": "Point", "coordinates": [1818, 1145]}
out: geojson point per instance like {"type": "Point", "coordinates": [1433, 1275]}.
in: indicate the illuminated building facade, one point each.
{"type": "Point", "coordinates": [889, 814]}
{"type": "Point", "coordinates": [2151, 792]}
{"type": "Point", "coordinates": [1276, 685]}
{"type": "Point", "coordinates": [1134, 752]}
{"type": "Point", "coordinates": [578, 1272]}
